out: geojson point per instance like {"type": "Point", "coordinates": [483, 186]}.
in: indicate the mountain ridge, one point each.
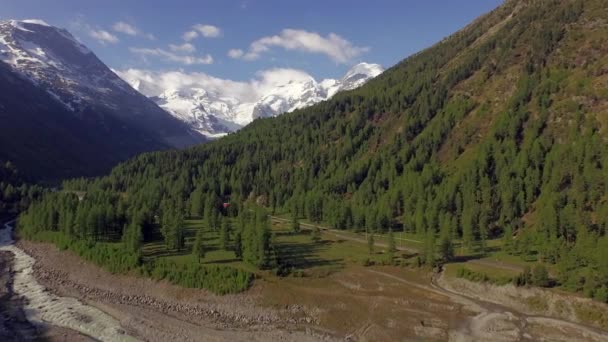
{"type": "Point", "coordinates": [215, 114]}
{"type": "Point", "coordinates": [95, 103]}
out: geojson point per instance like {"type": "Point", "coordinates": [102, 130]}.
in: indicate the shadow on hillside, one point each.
{"type": "Point", "coordinates": [476, 255]}
{"type": "Point", "coordinates": [158, 250]}
{"type": "Point", "coordinates": [305, 255]}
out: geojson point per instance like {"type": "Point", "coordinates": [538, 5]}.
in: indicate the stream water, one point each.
{"type": "Point", "coordinates": [43, 307]}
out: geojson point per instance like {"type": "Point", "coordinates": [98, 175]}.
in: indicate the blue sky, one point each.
{"type": "Point", "coordinates": [323, 38]}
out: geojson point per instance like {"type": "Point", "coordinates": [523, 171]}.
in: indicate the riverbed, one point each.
{"type": "Point", "coordinates": [44, 308]}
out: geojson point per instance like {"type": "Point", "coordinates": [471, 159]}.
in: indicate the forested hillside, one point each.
{"type": "Point", "coordinates": [498, 131]}
{"type": "Point", "coordinates": [15, 193]}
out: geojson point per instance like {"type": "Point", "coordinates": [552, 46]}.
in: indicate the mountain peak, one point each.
{"type": "Point", "coordinates": [215, 114]}
{"type": "Point", "coordinates": [371, 69]}
{"type": "Point", "coordinates": [53, 60]}
{"type": "Point", "coordinates": [359, 74]}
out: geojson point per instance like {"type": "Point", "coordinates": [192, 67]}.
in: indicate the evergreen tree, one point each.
{"type": "Point", "coordinates": [133, 237]}
{"type": "Point", "coordinates": [392, 246]}
{"type": "Point", "coordinates": [429, 249]}
{"type": "Point", "coordinates": [507, 240]}
{"type": "Point", "coordinates": [198, 248]}
{"type": "Point", "coordinates": [178, 231]}
{"type": "Point", "coordinates": [446, 249]}
{"type": "Point", "coordinates": [225, 234]}
{"type": "Point", "coordinates": [315, 235]}
{"type": "Point", "coordinates": [238, 244]}
{"type": "Point", "coordinates": [295, 225]}
{"type": "Point", "coordinates": [196, 202]}
{"type": "Point", "coordinates": [540, 276]}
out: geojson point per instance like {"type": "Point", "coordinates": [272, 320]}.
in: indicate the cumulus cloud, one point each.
{"type": "Point", "coordinates": [153, 83]}
{"type": "Point", "coordinates": [131, 30]}
{"type": "Point", "coordinates": [235, 53]}
{"type": "Point", "coordinates": [333, 46]}
{"type": "Point", "coordinates": [125, 28]}
{"type": "Point", "coordinates": [103, 36]}
{"type": "Point", "coordinates": [190, 35]}
{"type": "Point", "coordinates": [184, 48]}
{"type": "Point", "coordinates": [207, 31]}
{"type": "Point", "coordinates": [172, 57]}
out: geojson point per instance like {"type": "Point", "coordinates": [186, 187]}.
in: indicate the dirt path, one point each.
{"type": "Point", "coordinates": [340, 234]}
{"type": "Point", "coordinates": [499, 322]}
{"type": "Point", "coordinates": [528, 324]}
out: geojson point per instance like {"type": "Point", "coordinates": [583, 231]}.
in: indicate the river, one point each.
{"type": "Point", "coordinates": [43, 307]}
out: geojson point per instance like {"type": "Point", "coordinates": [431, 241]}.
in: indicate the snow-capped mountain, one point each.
{"type": "Point", "coordinates": [303, 93]}
{"type": "Point", "coordinates": [215, 114]}
{"type": "Point", "coordinates": [65, 113]}
{"type": "Point", "coordinates": [52, 59]}
{"type": "Point", "coordinates": [206, 112]}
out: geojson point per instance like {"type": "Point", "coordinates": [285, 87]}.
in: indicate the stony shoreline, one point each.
{"type": "Point", "coordinates": [124, 295]}
{"type": "Point", "coordinates": [14, 325]}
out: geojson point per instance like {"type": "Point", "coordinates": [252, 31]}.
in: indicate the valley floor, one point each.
{"type": "Point", "coordinates": [356, 303]}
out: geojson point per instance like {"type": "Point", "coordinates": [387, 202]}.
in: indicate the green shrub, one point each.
{"type": "Point", "coordinates": [480, 277]}
{"type": "Point", "coordinates": [215, 278]}
{"type": "Point", "coordinates": [116, 259]}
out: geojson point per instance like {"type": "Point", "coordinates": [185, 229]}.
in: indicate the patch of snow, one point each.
{"type": "Point", "coordinates": [18, 25]}
{"type": "Point", "coordinates": [36, 22]}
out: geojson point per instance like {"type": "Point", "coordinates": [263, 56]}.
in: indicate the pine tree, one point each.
{"type": "Point", "coordinates": [198, 249]}
{"type": "Point", "coordinates": [507, 244]}
{"type": "Point", "coordinates": [429, 249]}
{"type": "Point", "coordinates": [133, 237]}
{"type": "Point", "coordinates": [225, 233]}
{"type": "Point", "coordinates": [540, 276]}
{"type": "Point", "coordinates": [295, 225]}
{"type": "Point", "coordinates": [370, 243]}
{"type": "Point", "coordinates": [196, 202]}
{"type": "Point", "coordinates": [238, 244]}
{"type": "Point", "coordinates": [315, 236]}
{"type": "Point", "coordinates": [446, 249]}
{"type": "Point", "coordinates": [178, 231]}
{"type": "Point", "coordinates": [392, 246]}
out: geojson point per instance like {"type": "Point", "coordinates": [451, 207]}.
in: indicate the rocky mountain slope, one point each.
{"type": "Point", "coordinates": [66, 113]}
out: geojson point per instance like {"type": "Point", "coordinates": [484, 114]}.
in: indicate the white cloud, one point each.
{"type": "Point", "coordinates": [125, 28]}
{"type": "Point", "coordinates": [267, 79]}
{"type": "Point", "coordinates": [334, 46]}
{"type": "Point", "coordinates": [235, 53]}
{"type": "Point", "coordinates": [131, 30]}
{"type": "Point", "coordinates": [153, 83]}
{"type": "Point", "coordinates": [170, 56]}
{"type": "Point", "coordinates": [185, 48]}
{"type": "Point", "coordinates": [190, 35]}
{"type": "Point", "coordinates": [208, 31]}
{"type": "Point", "coordinates": [103, 36]}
